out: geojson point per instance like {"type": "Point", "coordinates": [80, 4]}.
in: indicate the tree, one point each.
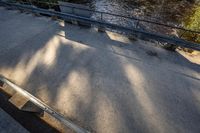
{"type": "Point", "coordinates": [192, 22]}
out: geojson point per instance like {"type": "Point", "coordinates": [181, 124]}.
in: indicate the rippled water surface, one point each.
{"type": "Point", "coordinates": [173, 12]}
{"type": "Point", "coordinates": [164, 10]}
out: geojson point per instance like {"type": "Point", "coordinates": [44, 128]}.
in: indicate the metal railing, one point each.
{"type": "Point", "coordinates": [50, 4]}
{"type": "Point", "coordinates": [37, 102]}
{"type": "Point", "coordinates": [139, 27]}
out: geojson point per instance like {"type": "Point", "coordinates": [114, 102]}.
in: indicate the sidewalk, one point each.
{"type": "Point", "coordinates": [102, 81]}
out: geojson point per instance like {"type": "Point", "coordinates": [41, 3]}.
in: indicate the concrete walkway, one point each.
{"type": "Point", "coordinates": [102, 81]}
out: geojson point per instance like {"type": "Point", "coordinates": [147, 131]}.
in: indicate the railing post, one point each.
{"type": "Point", "coordinates": [101, 16]}
{"type": "Point", "coordinates": [73, 21]}
{"type": "Point", "coordinates": [23, 3]}
{"type": "Point", "coordinates": [72, 10]}
{"type": "Point", "coordinates": [48, 4]}
{"type": "Point", "coordinates": [30, 2]}
{"type": "Point", "coordinates": [101, 28]}
{"type": "Point", "coordinates": [137, 23]}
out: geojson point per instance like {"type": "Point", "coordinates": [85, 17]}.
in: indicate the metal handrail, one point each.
{"type": "Point", "coordinates": [122, 16]}
{"type": "Point", "coordinates": [43, 106]}
{"type": "Point", "coordinates": [141, 33]}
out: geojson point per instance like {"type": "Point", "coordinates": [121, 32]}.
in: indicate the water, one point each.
{"type": "Point", "coordinates": [130, 8]}
{"type": "Point", "coordinates": [173, 12]}
{"type": "Point", "coordinates": [170, 11]}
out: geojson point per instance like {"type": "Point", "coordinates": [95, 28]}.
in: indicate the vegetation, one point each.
{"type": "Point", "coordinates": [192, 22]}
{"type": "Point", "coordinates": [168, 10]}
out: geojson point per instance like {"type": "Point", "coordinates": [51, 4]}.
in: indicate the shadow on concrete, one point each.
{"type": "Point", "coordinates": [133, 49]}
{"type": "Point", "coordinates": [101, 91]}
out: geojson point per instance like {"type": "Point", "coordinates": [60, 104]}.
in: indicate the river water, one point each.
{"type": "Point", "coordinates": [168, 11]}
{"type": "Point", "coordinates": [172, 12]}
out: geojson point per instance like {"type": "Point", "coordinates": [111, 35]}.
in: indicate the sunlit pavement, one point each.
{"type": "Point", "coordinates": [102, 81]}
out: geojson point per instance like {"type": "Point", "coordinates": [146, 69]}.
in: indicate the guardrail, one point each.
{"type": "Point", "coordinates": [43, 106]}
{"type": "Point", "coordinates": [102, 14]}
{"type": "Point", "coordinates": [135, 30]}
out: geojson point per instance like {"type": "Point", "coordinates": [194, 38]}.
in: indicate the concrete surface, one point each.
{"type": "Point", "coordinates": [9, 125]}
{"type": "Point", "coordinates": [102, 81]}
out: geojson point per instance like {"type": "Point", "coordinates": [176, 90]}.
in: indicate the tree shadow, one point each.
{"type": "Point", "coordinates": [89, 79]}
{"type": "Point", "coordinates": [133, 49]}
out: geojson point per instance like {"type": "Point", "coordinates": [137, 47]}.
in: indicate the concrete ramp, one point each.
{"type": "Point", "coordinates": [103, 82]}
